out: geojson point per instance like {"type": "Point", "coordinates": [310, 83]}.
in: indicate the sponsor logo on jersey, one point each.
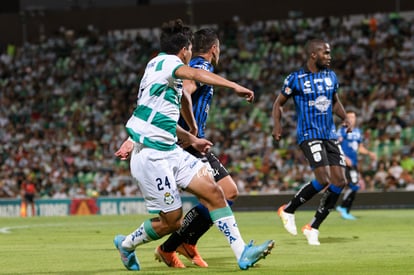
{"type": "Point", "coordinates": [288, 90]}
{"type": "Point", "coordinates": [308, 91]}
{"type": "Point", "coordinates": [193, 163]}
{"type": "Point", "coordinates": [322, 103]}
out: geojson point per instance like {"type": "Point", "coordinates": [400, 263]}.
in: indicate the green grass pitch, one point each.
{"type": "Point", "coordinates": [379, 242]}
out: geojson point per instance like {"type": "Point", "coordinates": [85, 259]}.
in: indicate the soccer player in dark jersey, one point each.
{"type": "Point", "coordinates": [352, 144]}
{"type": "Point", "coordinates": [197, 221]}
{"type": "Point", "coordinates": [314, 89]}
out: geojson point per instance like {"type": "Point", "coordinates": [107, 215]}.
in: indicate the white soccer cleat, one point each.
{"type": "Point", "coordinates": [288, 220]}
{"type": "Point", "coordinates": [311, 234]}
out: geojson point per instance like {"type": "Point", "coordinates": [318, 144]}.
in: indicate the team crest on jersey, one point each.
{"type": "Point", "coordinates": [168, 198]}
{"type": "Point", "coordinates": [328, 81]}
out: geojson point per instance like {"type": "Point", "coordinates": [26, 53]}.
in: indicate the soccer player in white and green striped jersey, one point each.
{"type": "Point", "coordinates": [161, 167]}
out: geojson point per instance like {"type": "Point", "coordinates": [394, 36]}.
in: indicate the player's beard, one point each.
{"type": "Point", "coordinates": [322, 65]}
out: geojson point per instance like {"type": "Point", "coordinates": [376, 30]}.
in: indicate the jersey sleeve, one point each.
{"type": "Point", "coordinates": [335, 80]}
{"type": "Point", "coordinates": [287, 88]}
{"type": "Point", "coordinates": [172, 65]}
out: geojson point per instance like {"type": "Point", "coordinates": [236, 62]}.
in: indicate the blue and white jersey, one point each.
{"type": "Point", "coordinates": [350, 143]}
{"type": "Point", "coordinates": [313, 97]}
{"type": "Point", "coordinates": [201, 97]}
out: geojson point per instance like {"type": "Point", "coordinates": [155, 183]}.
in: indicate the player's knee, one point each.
{"type": "Point", "coordinates": [216, 192]}
{"type": "Point", "coordinates": [231, 194]}
{"type": "Point", "coordinates": [175, 226]}
{"type": "Point", "coordinates": [215, 195]}
{"type": "Point", "coordinates": [170, 226]}
{"type": "Point", "coordinates": [341, 182]}
{"type": "Point", "coordinates": [230, 191]}
{"type": "Point", "coordinates": [324, 181]}
{"type": "Point", "coordinates": [229, 188]}
{"type": "Point", "coordinates": [322, 176]}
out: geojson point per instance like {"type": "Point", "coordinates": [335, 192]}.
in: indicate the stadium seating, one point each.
{"type": "Point", "coordinates": [65, 100]}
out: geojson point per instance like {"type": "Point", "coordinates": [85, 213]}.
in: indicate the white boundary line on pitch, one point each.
{"type": "Point", "coordinates": [7, 229]}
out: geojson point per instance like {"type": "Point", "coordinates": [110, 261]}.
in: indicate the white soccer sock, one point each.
{"type": "Point", "coordinates": [143, 234]}
{"type": "Point", "coordinates": [225, 221]}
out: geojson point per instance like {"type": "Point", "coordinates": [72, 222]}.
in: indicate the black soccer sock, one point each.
{"type": "Point", "coordinates": [176, 238]}
{"type": "Point", "coordinates": [303, 195]}
{"type": "Point", "coordinates": [200, 225]}
{"type": "Point", "coordinates": [194, 225]}
{"type": "Point", "coordinates": [348, 199]}
{"type": "Point", "coordinates": [173, 241]}
{"type": "Point", "coordinates": [327, 203]}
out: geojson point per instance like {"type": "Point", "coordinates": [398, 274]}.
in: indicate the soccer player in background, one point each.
{"type": "Point", "coordinates": [351, 144]}
{"type": "Point", "coordinates": [160, 166]}
{"type": "Point", "coordinates": [197, 221]}
{"type": "Point", "coordinates": [314, 89]}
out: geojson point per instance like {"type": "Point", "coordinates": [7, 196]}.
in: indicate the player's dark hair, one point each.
{"type": "Point", "coordinates": [312, 45]}
{"type": "Point", "coordinates": [175, 36]}
{"type": "Point", "coordinates": [204, 39]}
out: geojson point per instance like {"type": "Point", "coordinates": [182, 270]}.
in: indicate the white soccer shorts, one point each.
{"type": "Point", "coordinates": [160, 174]}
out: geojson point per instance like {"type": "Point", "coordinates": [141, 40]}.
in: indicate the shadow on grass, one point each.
{"type": "Point", "coordinates": [338, 239]}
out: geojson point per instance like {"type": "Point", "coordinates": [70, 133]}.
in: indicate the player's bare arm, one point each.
{"type": "Point", "coordinates": [339, 110]}
{"type": "Point", "coordinates": [187, 112]}
{"type": "Point", "coordinates": [364, 151]}
{"type": "Point", "coordinates": [186, 72]}
{"type": "Point", "coordinates": [187, 139]}
{"type": "Point", "coordinates": [189, 86]}
{"type": "Point", "coordinates": [277, 116]}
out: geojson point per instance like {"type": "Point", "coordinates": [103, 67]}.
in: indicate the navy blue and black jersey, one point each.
{"type": "Point", "coordinates": [201, 97]}
{"type": "Point", "coordinates": [313, 96]}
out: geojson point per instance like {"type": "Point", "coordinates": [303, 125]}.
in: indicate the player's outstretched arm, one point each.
{"type": "Point", "coordinates": [186, 72]}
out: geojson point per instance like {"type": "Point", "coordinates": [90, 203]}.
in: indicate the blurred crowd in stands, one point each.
{"type": "Point", "coordinates": [65, 100]}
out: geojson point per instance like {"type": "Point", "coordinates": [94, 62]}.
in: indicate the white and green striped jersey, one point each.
{"type": "Point", "coordinates": [154, 121]}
